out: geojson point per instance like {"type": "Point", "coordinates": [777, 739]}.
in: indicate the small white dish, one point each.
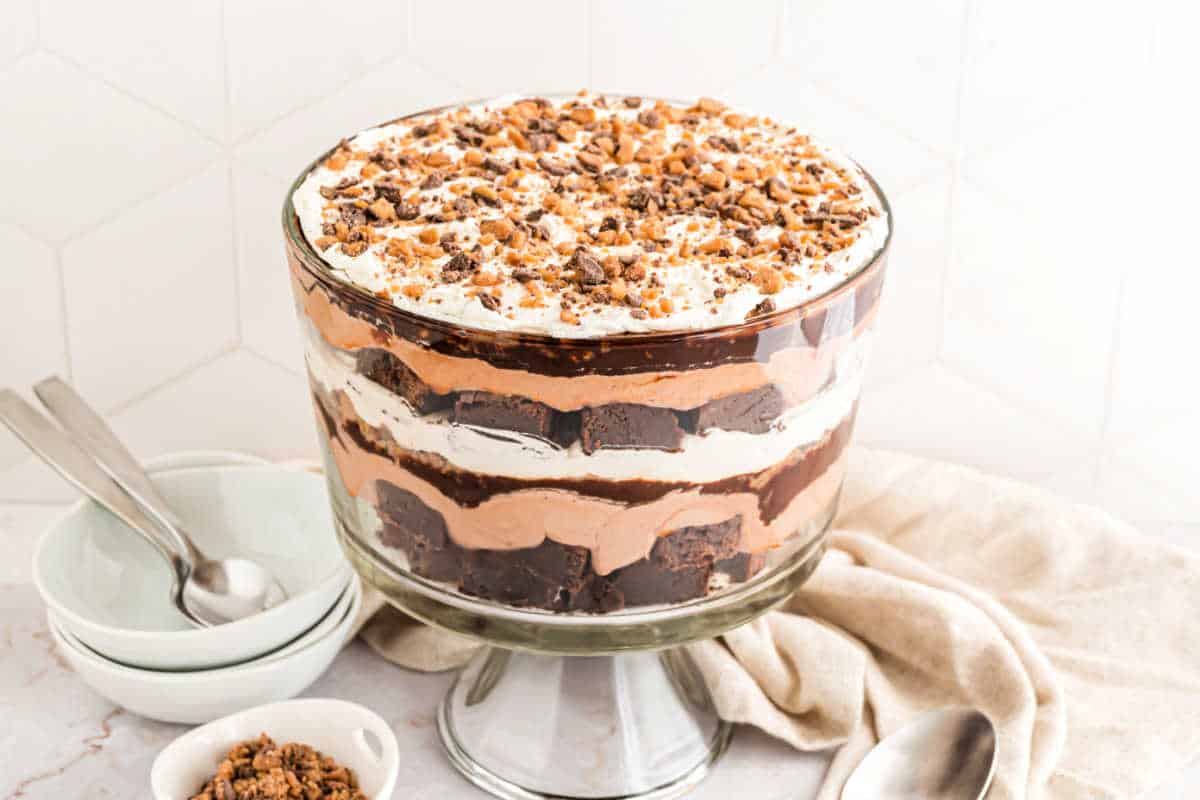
{"type": "Point", "coordinates": [109, 587]}
{"type": "Point", "coordinates": [195, 697]}
{"type": "Point", "coordinates": [341, 730]}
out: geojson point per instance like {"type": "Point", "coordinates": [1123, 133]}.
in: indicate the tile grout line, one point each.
{"type": "Point", "coordinates": [358, 75]}
{"type": "Point", "coordinates": [781, 21]}
{"type": "Point", "coordinates": [230, 192]}
{"type": "Point", "coordinates": [30, 232]}
{"type": "Point", "coordinates": [302, 375]}
{"type": "Point", "coordinates": [37, 25]}
{"type": "Point", "coordinates": [1110, 378]}
{"type": "Point", "coordinates": [408, 27]}
{"type": "Point", "coordinates": [825, 89]}
{"type": "Point", "coordinates": [166, 383]}
{"type": "Point", "coordinates": [589, 26]}
{"type": "Point", "coordinates": [135, 203]}
{"type": "Point", "coordinates": [128, 95]}
{"type": "Point", "coordinates": [61, 271]}
{"type": "Point", "coordinates": [953, 193]}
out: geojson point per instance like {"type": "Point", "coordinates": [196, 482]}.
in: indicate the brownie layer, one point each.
{"type": "Point", "coordinates": [609, 425]}
{"type": "Point", "coordinates": [775, 486]}
{"type": "Point", "coordinates": [683, 564]}
{"type": "Point", "coordinates": [618, 521]}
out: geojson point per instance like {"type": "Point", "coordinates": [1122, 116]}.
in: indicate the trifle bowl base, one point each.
{"type": "Point", "coordinates": [525, 725]}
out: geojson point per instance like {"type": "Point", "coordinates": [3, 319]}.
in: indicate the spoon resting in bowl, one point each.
{"type": "Point", "coordinates": [208, 592]}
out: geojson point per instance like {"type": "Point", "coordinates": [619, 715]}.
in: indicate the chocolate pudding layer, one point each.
{"type": "Point", "coordinates": [587, 354]}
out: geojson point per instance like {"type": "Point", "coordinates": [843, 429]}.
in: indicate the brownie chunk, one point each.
{"type": "Point", "coordinates": [393, 374]}
{"type": "Point", "coordinates": [698, 544]}
{"type": "Point", "coordinates": [678, 568]}
{"type": "Point", "coordinates": [648, 582]}
{"type": "Point", "coordinates": [753, 412]}
{"type": "Point", "coordinates": [504, 412]}
{"type": "Point", "coordinates": [551, 575]}
{"type": "Point", "coordinates": [618, 425]}
{"type": "Point", "coordinates": [741, 567]}
{"type": "Point", "coordinates": [420, 532]}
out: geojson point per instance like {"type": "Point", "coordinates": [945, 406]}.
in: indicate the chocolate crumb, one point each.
{"type": "Point", "coordinates": [553, 167]}
{"type": "Point", "coordinates": [650, 118]}
{"type": "Point", "coordinates": [588, 271]}
{"type": "Point", "coordinates": [765, 307]}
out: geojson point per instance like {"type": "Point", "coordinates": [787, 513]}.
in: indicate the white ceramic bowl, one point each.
{"type": "Point", "coordinates": [194, 697]}
{"type": "Point", "coordinates": [338, 729]}
{"type": "Point", "coordinates": [111, 589]}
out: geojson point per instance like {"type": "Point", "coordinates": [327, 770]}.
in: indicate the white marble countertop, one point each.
{"type": "Point", "coordinates": [60, 740]}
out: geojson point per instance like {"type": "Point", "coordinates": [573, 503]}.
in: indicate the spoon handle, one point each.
{"type": "Point", "coordinates": [97, 439]}
{"type": "Point", "coordinates": [69, 460]}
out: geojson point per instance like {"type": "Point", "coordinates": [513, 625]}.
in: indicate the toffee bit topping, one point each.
{"type": "Point", "coordinates": [261, 769]}
{"type": "Point", "coordinates": [591, 207]}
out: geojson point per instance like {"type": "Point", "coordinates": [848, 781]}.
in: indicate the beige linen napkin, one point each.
{"type": "Point", "coordinates": [1074, 633]}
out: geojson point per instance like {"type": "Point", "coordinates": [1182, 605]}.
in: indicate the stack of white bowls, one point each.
{"type": "Point", "coordinates": [110, 612]}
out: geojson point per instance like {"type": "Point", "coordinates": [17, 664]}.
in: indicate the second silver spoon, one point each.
{"type": "Point", "coordinates": [948, 754]}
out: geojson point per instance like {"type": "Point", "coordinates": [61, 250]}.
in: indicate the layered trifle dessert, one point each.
{"type": "Point", "coordinates": [588, 353]}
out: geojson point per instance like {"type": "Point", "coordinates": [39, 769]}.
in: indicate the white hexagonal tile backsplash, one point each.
{"type": "Point", "coordinates": [710, 48]}
{"type": "Point", "coordinates": [150, 295]}
{"type": "Point", "coordinates": [494, 48]}
{"type": "Point", "coordinates": [86, 150]}
{"type": "Point", "coordinates": [1038, 316]}
{"type": "Point", "coordinates": [166, 54]}
{"type": "Point", "coordinates": [31, 326]}
{"type": "Point", "coordinates": [18, 35]}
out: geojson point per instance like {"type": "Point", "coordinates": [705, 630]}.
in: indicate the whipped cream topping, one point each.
{"type": "Point", "coordinates": [711, 456]}
{"type": "Point", "coordinates": [590, 216]}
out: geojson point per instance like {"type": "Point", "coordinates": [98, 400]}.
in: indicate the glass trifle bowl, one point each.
{"type": "Point", "coordinates": [585, 370]}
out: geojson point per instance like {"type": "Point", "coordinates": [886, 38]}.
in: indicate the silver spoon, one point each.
{"type": "Point", "coordinates": [216, 591]}
{"type": "Point", "coordinates": [948, 754]}
{"type": "Point", "coordinates": [207, 592]}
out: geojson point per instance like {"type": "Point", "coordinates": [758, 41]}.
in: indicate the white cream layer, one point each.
{"type": "Point", "coordinates": [707, 457]}
{"type": "Point", "coordinates": [690, 285]}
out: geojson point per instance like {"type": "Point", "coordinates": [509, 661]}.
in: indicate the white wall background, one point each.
{"type": "Point", "coordinates": [1039, 318]}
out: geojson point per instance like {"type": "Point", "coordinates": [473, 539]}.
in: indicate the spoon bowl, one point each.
{"type": "Point", "coordinates": [221, 591]}
{"type": "Point", "coordinates": [948, 754]}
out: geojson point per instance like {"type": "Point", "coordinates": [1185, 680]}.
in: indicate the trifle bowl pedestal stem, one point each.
{"type": "Point", "coordinates": [528, 725]}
